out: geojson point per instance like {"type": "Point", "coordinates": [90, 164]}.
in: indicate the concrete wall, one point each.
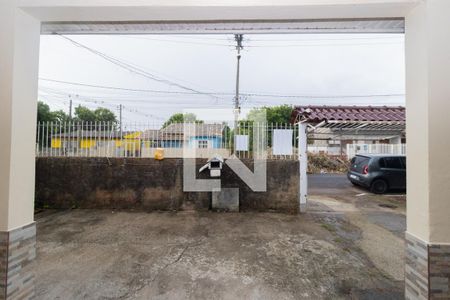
{"type": "Point", "coordinates": [153, 185]}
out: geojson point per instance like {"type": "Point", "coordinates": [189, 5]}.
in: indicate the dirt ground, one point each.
{"type": "Point", "coordinates": [348, 246]}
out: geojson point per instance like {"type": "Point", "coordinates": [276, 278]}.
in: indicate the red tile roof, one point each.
{"type": "Point", "coordinates": [316, 114]}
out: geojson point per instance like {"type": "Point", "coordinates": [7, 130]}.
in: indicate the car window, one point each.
{"type": "Point", "coordinates": [391, 163]}
{"type": "Point", "coordinates": [358, 163]}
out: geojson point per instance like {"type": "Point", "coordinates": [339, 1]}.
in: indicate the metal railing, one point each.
{"type": "Point", "coordinates": [202, 140]}
{"type": "Point", "coordinates": [394, 149]}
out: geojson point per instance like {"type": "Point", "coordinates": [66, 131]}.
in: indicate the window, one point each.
{"type": "Point", "coordinates": [391, 163]}
{"type": "Point", "coordinates": [358, 163]}
{"type": "Point", "coordinates": [202, 144]}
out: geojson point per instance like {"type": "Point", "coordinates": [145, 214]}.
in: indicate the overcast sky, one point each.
{"type": "Point", "coordinates": [176, 72]}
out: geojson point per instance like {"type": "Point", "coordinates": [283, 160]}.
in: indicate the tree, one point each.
{"type": "Point", "coordinates": [44, 114]}
{"type": "Point", "coordinates": [182, 118]}
{"type": "Point", "coordinates": [48, 122]}
{"type": "Point", "coordinates": [60, 116]}
{"type": "Point", "coordinates": [275, 114]}
{"type": "Point", "coordinates": [105, 115]}
{"type": "Point", "coordinates": [84, 114]}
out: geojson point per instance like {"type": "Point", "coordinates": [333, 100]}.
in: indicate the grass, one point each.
{"type": "Point", "coordinates": [328, 227]}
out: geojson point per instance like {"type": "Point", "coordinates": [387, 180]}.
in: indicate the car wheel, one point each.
{"type": "Point", "coordinates": [379, 186]}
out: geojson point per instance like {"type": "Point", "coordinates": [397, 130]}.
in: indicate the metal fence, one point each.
{"type": "Point", "coordinates": [177, 140]}
{"type": "Point", "coordinates": [395, 149]}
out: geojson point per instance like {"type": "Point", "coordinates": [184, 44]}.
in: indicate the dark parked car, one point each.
{"type": "Point", "coordinates": [379, 173]}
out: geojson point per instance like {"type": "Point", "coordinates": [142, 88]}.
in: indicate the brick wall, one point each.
{"type": "Point", "coordinates": [427, 270]}
{"type": "Point", "coordinates": [439, 271]}
{"type": "Point", "coordinates": [17, 252]}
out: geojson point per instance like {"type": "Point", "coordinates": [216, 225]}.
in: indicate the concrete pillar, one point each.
{"type": "Point", "coordinates": [428, 175]}
{"type": "Point", "coordinates": [19, 56]}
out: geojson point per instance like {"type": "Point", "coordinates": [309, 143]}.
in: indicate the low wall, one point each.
{"type": "Point", "coordinates": [148, 184]}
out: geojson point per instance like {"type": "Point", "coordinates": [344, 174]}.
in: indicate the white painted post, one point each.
{"type": "Point", "coordinates": [303, 162]}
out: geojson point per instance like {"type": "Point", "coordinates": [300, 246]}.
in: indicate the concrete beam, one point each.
{"type": "Point", "coordinates": [185, 10]}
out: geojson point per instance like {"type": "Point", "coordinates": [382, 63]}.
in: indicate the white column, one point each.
{"type": "Point", "coordinates": [428, 125]}
{"type": "Point", "coordinates": [19, 59]}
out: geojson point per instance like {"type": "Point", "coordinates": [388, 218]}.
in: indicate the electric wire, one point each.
{"type": "Point", "coordinates": [134, 69]}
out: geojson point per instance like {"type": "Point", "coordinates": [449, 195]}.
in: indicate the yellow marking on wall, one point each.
{"type": "Point", "coordinates": [56, 143]}
{"type": "Point", "coordinates": [87, 143]}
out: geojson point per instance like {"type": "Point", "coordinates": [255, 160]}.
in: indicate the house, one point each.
{"type": "Point", "coordinates": [94, 142]}
{"type": "Point", "coordinates": [133, 143]}
{"type": "Point", "coordinates": [186, 140]}
{"type": "Point", "coordinates": [193, 135]}
{"type": "Point", "coordinates": [341, 129]}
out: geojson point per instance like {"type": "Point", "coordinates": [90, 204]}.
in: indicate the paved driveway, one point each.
{"type": "Point", "coordinates": [100, 254]}
{"type": "Point", "coordinates": [381, 219]}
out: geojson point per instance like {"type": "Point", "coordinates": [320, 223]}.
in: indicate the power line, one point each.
{"type": "Point", "coordinates": [133, 69]}
{"type": "Point", "coordinates": [179, 42]}
{"type": "Point", "coordinates": [247, 94]}
{"type": "Point", "coordinates": [200, 40]}
{"type": "Point", "coordinates": [100, 100]}
{"type": "Point", "coordinates": [119, 88]}
{"type": "Point", "coordinates": [110, 105]}
{"type": "Point", "coordinates": [322, 45]}
{"type": "Point", "coordinates": [140, 110]}
{"type": "Point", "coordinates": [327, 39]}
{"type": "Point", "coordinates": [321, 96]}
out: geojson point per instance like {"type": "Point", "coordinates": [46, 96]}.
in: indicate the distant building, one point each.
{"type": "Point", "coordinates": [332, 128]}
{"type": "Point", "coordinates": [194, 135]}
{"type": "Point", "coordinates": [134, 143]}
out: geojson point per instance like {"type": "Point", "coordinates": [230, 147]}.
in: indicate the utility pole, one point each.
{"type": "Point", "coordinates": [120, 119]}
{"type": "Point", "coordinates": [237, 106]}
{"type": "Point", "coordinates": [70, 107]}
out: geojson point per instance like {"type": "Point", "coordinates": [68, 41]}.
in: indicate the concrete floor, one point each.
{"type": "Point", "coordinates": [346, 246]}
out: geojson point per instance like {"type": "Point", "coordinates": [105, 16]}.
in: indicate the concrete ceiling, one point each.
{"type": "Point", "coordinates": [392, 25]}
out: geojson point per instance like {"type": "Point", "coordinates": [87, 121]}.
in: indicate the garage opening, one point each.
{"type": "Point", "coordinates": [143, 127]}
